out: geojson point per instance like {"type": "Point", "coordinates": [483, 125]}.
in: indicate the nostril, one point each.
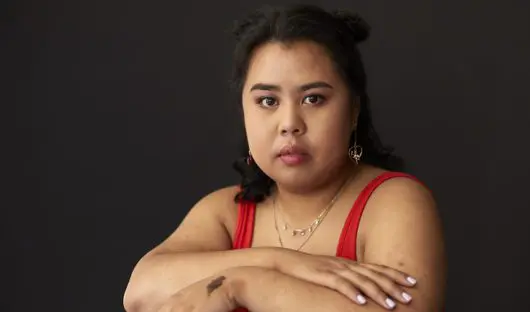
{"type": "Point", "coordinates": [290, 131]}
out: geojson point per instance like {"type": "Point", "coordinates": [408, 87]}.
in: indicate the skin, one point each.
{"type": "Point", "coordinates": [400, 227]}
{"type": "Point", "coordinates": [214, 284]}
{"type": "Point", "coordinates": [293, 94]}
{"type": "Point", "coordinates": [321, 120]}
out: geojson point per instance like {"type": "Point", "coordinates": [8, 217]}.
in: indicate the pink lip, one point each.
{"type": "Point", "coordinates": [291, 149]}
{"type": "Point", "coordinates": [293, 155]}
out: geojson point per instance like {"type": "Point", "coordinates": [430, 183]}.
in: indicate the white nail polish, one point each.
{"type": "Point", "coordinates": [391, 304]}
{"type": "Point", "coordinates": [361, 299]}
{"type": "Point", "coordinates": [406, 296]}
{"type": "Point", "coordinates": [411, 280]}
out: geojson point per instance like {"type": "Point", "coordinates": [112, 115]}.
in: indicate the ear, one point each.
{"type": "Point", "coordinates": [355, 110]}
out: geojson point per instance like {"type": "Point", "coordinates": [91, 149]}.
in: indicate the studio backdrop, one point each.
{"type": "Point", "coordinates": [124, 119]}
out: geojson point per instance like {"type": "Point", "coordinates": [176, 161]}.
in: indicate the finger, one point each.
{"type": "Point", "coordinates": [342, 285]}
{"type": "Point", "coordinates": [387, 284]}
{"type": "Point", "coordinates": [370, 288]}
{"type": "Point", "coordinates": [398, 276]}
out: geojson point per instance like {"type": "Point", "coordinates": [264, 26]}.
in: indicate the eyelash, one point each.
{"type": "Point", "coordinates": [259, 101]}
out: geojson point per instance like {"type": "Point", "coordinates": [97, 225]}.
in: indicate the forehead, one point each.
{"type": "Point", "coordinates": [291, 63]}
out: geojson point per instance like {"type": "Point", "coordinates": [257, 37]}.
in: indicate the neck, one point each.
{"type": "Point", "coordinates": [300, 208]}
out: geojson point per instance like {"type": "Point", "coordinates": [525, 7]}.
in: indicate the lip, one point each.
{"type": "Point", "coordinates": [291, 149]}
{"type": "Point", "coordinates": [292, 155]}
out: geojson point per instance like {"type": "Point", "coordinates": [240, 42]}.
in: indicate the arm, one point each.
{"type": "Point", "coordinates": [266, 290]}
{"type": "Point", "coordinates": [403, 231]}
{"type": "Point", "coordinates": [198, 248]}
{"type": "Point", "coordinates": [260, 290]}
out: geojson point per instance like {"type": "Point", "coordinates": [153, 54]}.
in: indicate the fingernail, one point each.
{"type": "Point", "coordinates": [411, 280]}
{"type": "Point", "coordinates": [361, 299]}
{"type": "Point", "coordinates": [391, 304]}
{"type": "Point", "coordinates": [406, 296]}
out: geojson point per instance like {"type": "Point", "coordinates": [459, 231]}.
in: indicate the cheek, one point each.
{"type": "Point", "coordinates": [331, 134]}
{"type": "Point", "coordinates": [256, 130]}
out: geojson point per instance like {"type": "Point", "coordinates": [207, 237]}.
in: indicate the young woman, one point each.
{"type": "Point", "coordinates": [323, 219]}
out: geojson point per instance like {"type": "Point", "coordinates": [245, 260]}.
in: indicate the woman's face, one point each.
{"type": "Point", "coordinates": [298, 113]}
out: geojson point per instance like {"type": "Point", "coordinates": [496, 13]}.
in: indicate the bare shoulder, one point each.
{"type": "Point", "coordinates": [401, 199]}
{"type": "Point", "coordinates": [222, 203]}
{"type": "Point", "coordinates": [219, 200]}
{"type": "Point", "coordinates": [403, 230]}
{"type": "Point", "coordinates": [206, 226]}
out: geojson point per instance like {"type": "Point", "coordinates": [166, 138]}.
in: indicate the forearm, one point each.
{"type": "Point", "coordinates": [158, 276]}
{"type": "Point", "coordinates": [266, 290]}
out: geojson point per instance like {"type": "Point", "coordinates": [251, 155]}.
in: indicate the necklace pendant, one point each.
{"type": "Point", "coordinates": [285, 227]}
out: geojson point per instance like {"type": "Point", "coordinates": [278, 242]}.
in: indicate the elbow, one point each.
{"type": "Point", "coordinates": [137, 292]}
{"type": "Point", "coordinates": [132, 298]}
{"type": "Point", "coordinates": [139, 297]}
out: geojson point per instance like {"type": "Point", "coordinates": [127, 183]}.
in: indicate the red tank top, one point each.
{"type": "Point", "coordinates": [347, 244]}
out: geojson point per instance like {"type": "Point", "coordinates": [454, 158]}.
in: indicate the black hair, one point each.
{"type": "Point", "coordinates": [339, 32]}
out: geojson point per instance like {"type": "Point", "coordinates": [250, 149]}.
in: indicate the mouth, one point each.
{"type": "Point", "coordinates": [293, 155]}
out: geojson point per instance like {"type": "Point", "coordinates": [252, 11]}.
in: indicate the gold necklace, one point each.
{"type": "Point", "coordinates": [311, 227]}
{"type": "Point", "coordinates": [314, 225]}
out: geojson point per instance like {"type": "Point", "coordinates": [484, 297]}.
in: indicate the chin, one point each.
{"type": "Point", "coordinates": [295, 179]}
{"type": "Point", "coordinates": [303, 176]}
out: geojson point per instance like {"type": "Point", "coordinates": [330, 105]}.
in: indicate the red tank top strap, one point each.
{"type": "Point", "coordinates": [246, 212]}
{"type": "Point", "coordinates": [245, 225]}
{"type": "Point", "coordinates": [347, 245]}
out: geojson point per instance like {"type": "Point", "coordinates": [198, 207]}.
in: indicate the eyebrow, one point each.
{"type": "Point", "coordinates": [305, 87]}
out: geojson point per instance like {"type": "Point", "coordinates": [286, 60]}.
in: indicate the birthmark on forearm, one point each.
{"type": "Point", "coordinates": [214, 284]}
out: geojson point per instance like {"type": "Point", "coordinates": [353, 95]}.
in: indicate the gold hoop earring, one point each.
{"type": "Point", "coordinates": [356, 151]}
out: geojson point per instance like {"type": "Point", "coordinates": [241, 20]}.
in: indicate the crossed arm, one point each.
{"type": "Point", "coordinates": [265, 290]}
{"type": "Point", "coordinates": [404, 232]}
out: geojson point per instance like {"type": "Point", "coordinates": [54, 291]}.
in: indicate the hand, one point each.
{"type": "Point", "coordinates": [209, 295]}
{"type": "Point", "coordinates": [353, 279]}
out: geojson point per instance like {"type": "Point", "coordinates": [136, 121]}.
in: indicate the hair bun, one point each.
{"type": "Point", "coordinates": [240, 27]}
{"type": "Point", "coordinates": [355, 23]}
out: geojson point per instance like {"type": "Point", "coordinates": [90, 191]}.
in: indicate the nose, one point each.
{"type": "Point", "coordinates": [291, 122]}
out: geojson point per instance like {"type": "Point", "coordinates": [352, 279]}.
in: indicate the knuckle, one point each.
{"type": "Point", "coordinates": [382, 275]}
{"type": "Point", "coordinates": [362, 278]}
{"type": "Point", "coordinates": [365, 265]}
{"type": "Point", "coordinates": [384, 281]}
{"type": "Point", "coordinates": [340, 265]}
{"type": "Point", "coordinates": [395, 275]}
{"type": "Point", "coordinates": [337, 280]}
{"type": "Point", "coordinates": [388, 284]}
{"type": "Point", "coordinates": [376, 293]}
{"type": "Point", "coordinates": [341, 284]}
{"type": "Point", "coordinates": [370, 286]}
{"type": "Point", "coordinates": [394, 271]}
{"type": "Point", "coordinates": [321, 270]}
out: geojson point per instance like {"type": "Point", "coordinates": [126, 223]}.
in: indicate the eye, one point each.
{"type": "Point", "coordinates": [313, 99]}
{"type": "Point", "coordinates": [267, 101]}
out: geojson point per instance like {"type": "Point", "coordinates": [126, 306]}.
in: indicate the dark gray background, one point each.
{"type": "Point", "coordinates": [124, 120]}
